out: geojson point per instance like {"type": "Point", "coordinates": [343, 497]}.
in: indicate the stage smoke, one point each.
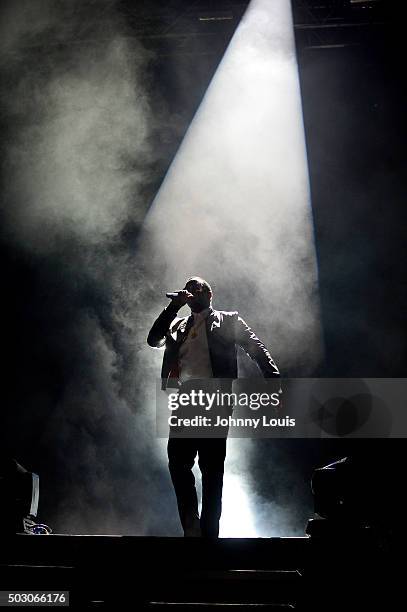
{"type": "Point", "coordinates": [235, 209]}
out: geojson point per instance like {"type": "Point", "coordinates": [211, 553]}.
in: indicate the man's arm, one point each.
{"type": "Point", "coordinates": [156, 335]}
{"type": "Point", "coordinates": [247, 339]}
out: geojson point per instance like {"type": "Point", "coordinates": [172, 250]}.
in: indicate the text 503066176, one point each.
{"type": "Point", "coordinates": [34, 598]}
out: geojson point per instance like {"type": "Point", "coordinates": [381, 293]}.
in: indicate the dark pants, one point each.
{"type": "Point", "coordinates": [211, 456]}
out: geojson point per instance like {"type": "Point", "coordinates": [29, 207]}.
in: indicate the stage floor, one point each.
{"type": "Point", "coordinates": [150, 573]}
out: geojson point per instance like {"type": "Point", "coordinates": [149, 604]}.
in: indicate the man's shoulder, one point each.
{"type": "Point", "coordinates": [225, 314]}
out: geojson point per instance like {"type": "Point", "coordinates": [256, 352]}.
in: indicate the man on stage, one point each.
{"type": "Point", "coordinates": [202, 346]}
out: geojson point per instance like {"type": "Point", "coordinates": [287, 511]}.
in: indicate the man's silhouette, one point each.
{"type": "Point", "coordinates": [202, 346]}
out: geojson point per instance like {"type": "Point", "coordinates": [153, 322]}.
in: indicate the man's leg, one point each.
{"type": "Point", "coordinates": [181, 459]}
{"type": "Point", "coordinates": [212, 453]}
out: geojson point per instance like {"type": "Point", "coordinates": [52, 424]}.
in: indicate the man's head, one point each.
{"type": "Point", "coordinates": [202, 292]}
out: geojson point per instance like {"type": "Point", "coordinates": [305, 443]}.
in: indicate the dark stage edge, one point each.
{"type": "Point", "coordinates": [337, 571]}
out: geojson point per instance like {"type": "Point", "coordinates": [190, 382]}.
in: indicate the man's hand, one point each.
{"type": "Point", "coordinates": [158, 333]}
{"type": "Point", "coordinates": [180, 298]}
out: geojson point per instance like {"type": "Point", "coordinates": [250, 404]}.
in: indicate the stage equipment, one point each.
{"type": "Point", "coordinates": [19, 495]}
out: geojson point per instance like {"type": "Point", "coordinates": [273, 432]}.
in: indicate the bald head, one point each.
{"type": "Point", "coordinates": [202, 292]}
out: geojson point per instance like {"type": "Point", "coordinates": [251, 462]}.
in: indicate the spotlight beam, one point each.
{"type": "Point", "coordinates": [235, 204]}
